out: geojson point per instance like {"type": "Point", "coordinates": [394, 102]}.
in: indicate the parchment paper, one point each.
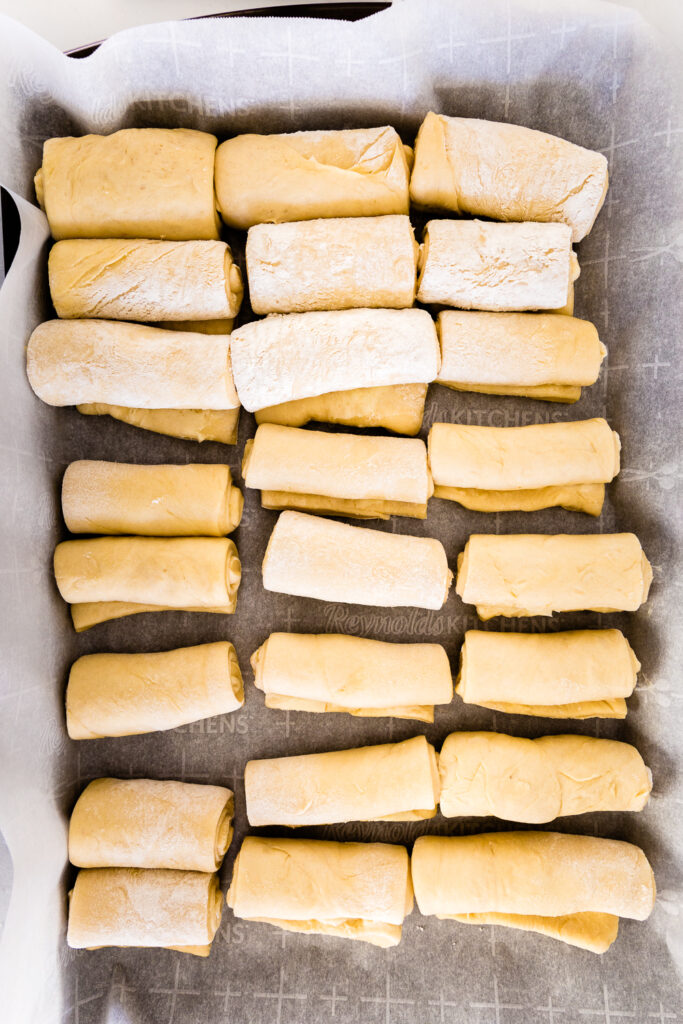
{"type": "Point", "coordinates": [590, 72]}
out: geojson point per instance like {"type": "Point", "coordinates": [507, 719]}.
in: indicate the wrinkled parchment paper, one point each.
{"type": "Point", "coordinates": [588, 71]}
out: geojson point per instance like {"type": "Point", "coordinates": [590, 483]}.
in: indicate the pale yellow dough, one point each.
{"type": "Point", "coordinates": [350, 890]}
{"type": "Point", "coordinates": [507, 172]}
{"type": "Point", "coordinates": [369, 678]}
{"type": "Point", "coordinates": [535, 781]}
{"type": "Point", "coordinates": [191, 424]}
{"type": "Point", "coordinates": [162, 500]}
{"type": "Point", "coordinates": [390, 782]}
{"type": "Point", "coordinates": [143, 823]}
{"type": "Point", "coordinates": [396, 407]}
{"type": "Point", "coordinates": [263, 179]}
{"type": "Point", "coordinates": [338, 263]}
{"type": "Point", "coordinates": [538, 574]}
{"type": "Point", "coordinates": [127, 694]}
{"type": "Point", "coordinates": [135, 183]}
{"type": "Point", "coordinates": [587, 498]}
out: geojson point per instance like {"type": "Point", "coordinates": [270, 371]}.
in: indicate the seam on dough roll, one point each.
{"type": "Point", "coordinates": [190, 424]}
{"type": "Point", "coordinates": [395, 407]}
{"type": "Point", "coordinates": [587, 498]}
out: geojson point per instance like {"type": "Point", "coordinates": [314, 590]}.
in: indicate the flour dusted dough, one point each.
{"type": "Point", "coordinates": [479, 265]}
{"type": "Point", "coordinates": [143, 823]}
{"type": "Point", "coordinates": [309, 556]}
{"type": "Point", "coordinates": [127, 694]}
{"type": "Point", "coordinates": [339, 263]}
{"type": "Point", "coordinates": [351, 890]}
{"type": "Point", "coordinates": [168, 501]}
{"type": "Point", "coordinates": [389, 782]}
{"type": "Point", "coordinates": [535, 355]}
{"type": "Point", "coordinates": [538, 574]}
{"type": "Point", "coordinates": [141, 279]}
{"type": "Point", "coordinates": [135, 183]}
{"type": "Point", "coordinates": [73, 362]}
{"type": "Point", "coordinates": [284, 358]}
{"type": "Point", "coordinates": [489, 773]}
{"type": "Point", "coordinates": [507, 172]}
{"type": "Point", "coordinates": [333, 672]}
{"type": "Point", "coordinates": [263, 179]}
{"type": "Point", "coordinates": [580, 673]}
{"type": "Point", "coordinates": [397, 407]}
{"type": "Point", "coordinates": [144, 907]}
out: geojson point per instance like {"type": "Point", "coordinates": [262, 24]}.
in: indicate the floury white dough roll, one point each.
{"type": "Point", "coordinates": [144, 823]}
{"type": "Point", "coordinates": [309, 556]}
{"type": "Point", "coordinates": [547, 356]}
{"type": "Point", "coordinates": [143, 279]}
{"type": "Point", "coordinates": [303, 355]}
{"type": "Point", "coordinates": [160, 501]}
{"type": "Point", "coordinates": [507, 172]}
{"type": "Point", "coordinates": [338, 263]}
{"type": "Point", "coordinates": [368, 678]}
{"type": "Point", "coordinates": [538, 574]}
{"type": "Point", "coordinates": [397, 407]}
{"type": "Point", "coordinates": [535, 781]}
{"type": "Point", "coordinates": [135, 183]}
{"type": "Point", "coordinates": [584, 673]}
{"type": "Point", "coordinates": [389, 782]}
{"type": "Point", "coordinates": [357, 475]}
{"type": "Point", "coordinates": [474, 264]}
{"type": "Point", "coordinates": [128, 694]}
{"type": "Point", "coordinates": [263, 179]}
{"type": "Point", "coordinates": [144, 907]}
{"type": "Point", "coordinates": [349, 890]}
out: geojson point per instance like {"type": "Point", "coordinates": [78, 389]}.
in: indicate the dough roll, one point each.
{"type": "Point", "coordinates": [161, 501]}
{"type": "Point", "coordinates": [540, 881]}
{"type": "Point", "coordinates": [538, 574]}
{"type": "Point", "coordinates": [507, 172]}
{"type": "Point", "coordinates": [339, 263]}
{"type": "Point", "coordinates": [535, 355]}
{"type": "Point", "coordinates": [190, 424]}
{"type": "Point", "coordinates": [135, 183]}
{"type": "Point", "coordinates": [73, 362]}
{"type": "Point", "coordinates": [535, 781]}
{"type": "Point", "coordinates": [350, 890]}
{"type": "Point", "coordinates": [141, 279]}
{"type": "Point", "coordinates": [346, 474]}
{"type": "Point", "coordinates": [369, 678]}
{"type": "Point", "coordinates": [285, 358]}
{"type": "Point", "coordinates": [479, 265]}
{"type": "Point", "coordinates": [397, 407]}
{"type": "Point", "coordinates": [137, 907]}
{"type": "Point", "coordinates": [263, 179]}
{"type": "Point", "coordinates": [128, 694]}
{"type": "Point", "coordinates": [389, 782]}
{"type": "Point", "coordinates": [583, 673]}
{"type": "Point", "coordinates": [309, 556]}
{"type": "Point", "coordinates": [142, 823]}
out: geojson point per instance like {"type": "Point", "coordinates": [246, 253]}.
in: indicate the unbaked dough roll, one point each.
{"type": "Point", "coordinates": [262, 179]}
{"type": "Point", "coordinates": [389, 782]}
{"type": "Point", "coordinates": [346, 474]}
{"type": "Point", "coordinates": [474, 264]}
{"type": "Point", "coordinates": [128, 694]}
{"type": "Point", "coordinates": [72, 362]}
{"type": "Point", "coordinates": [535, 781]}
{"type": "Point", "coordinates": [339, 263]}
{"type": "Point", "coordinates": [135, 183]}
{"type": "Point", "coordinates": [583, 673]}
{"type": "Point", "coordinates": [143, 823]}
{"type": "Point", "coordinates": [140, 279]}
{"type": "Point", "coordinates": [144, 907]}
{"type": "Point", "coordinates": [351, 890]}
{"type": "Point", "coordinates": [535, 355]}
{"type": "Point", "coordinates": [190, 424]}
{"type": "Point", "coordinates": [397, 407]}
{"type": "Point", "coordinates": [284, 358]}
{"type": "Point", "coordinates": [332, 672]}
{"type": "Point", "coordinates": [162, 501]}
{"type": "Point", "coordinates": [309, 556]}
{"type": "Point", "coordinates": [507, 172]}
{"type": "Point", "coordinates": [538, 574]}
{"type": "Point", "coordinates": [535, 875]}
{"type": "Point", "coordinates": [587, 498]}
